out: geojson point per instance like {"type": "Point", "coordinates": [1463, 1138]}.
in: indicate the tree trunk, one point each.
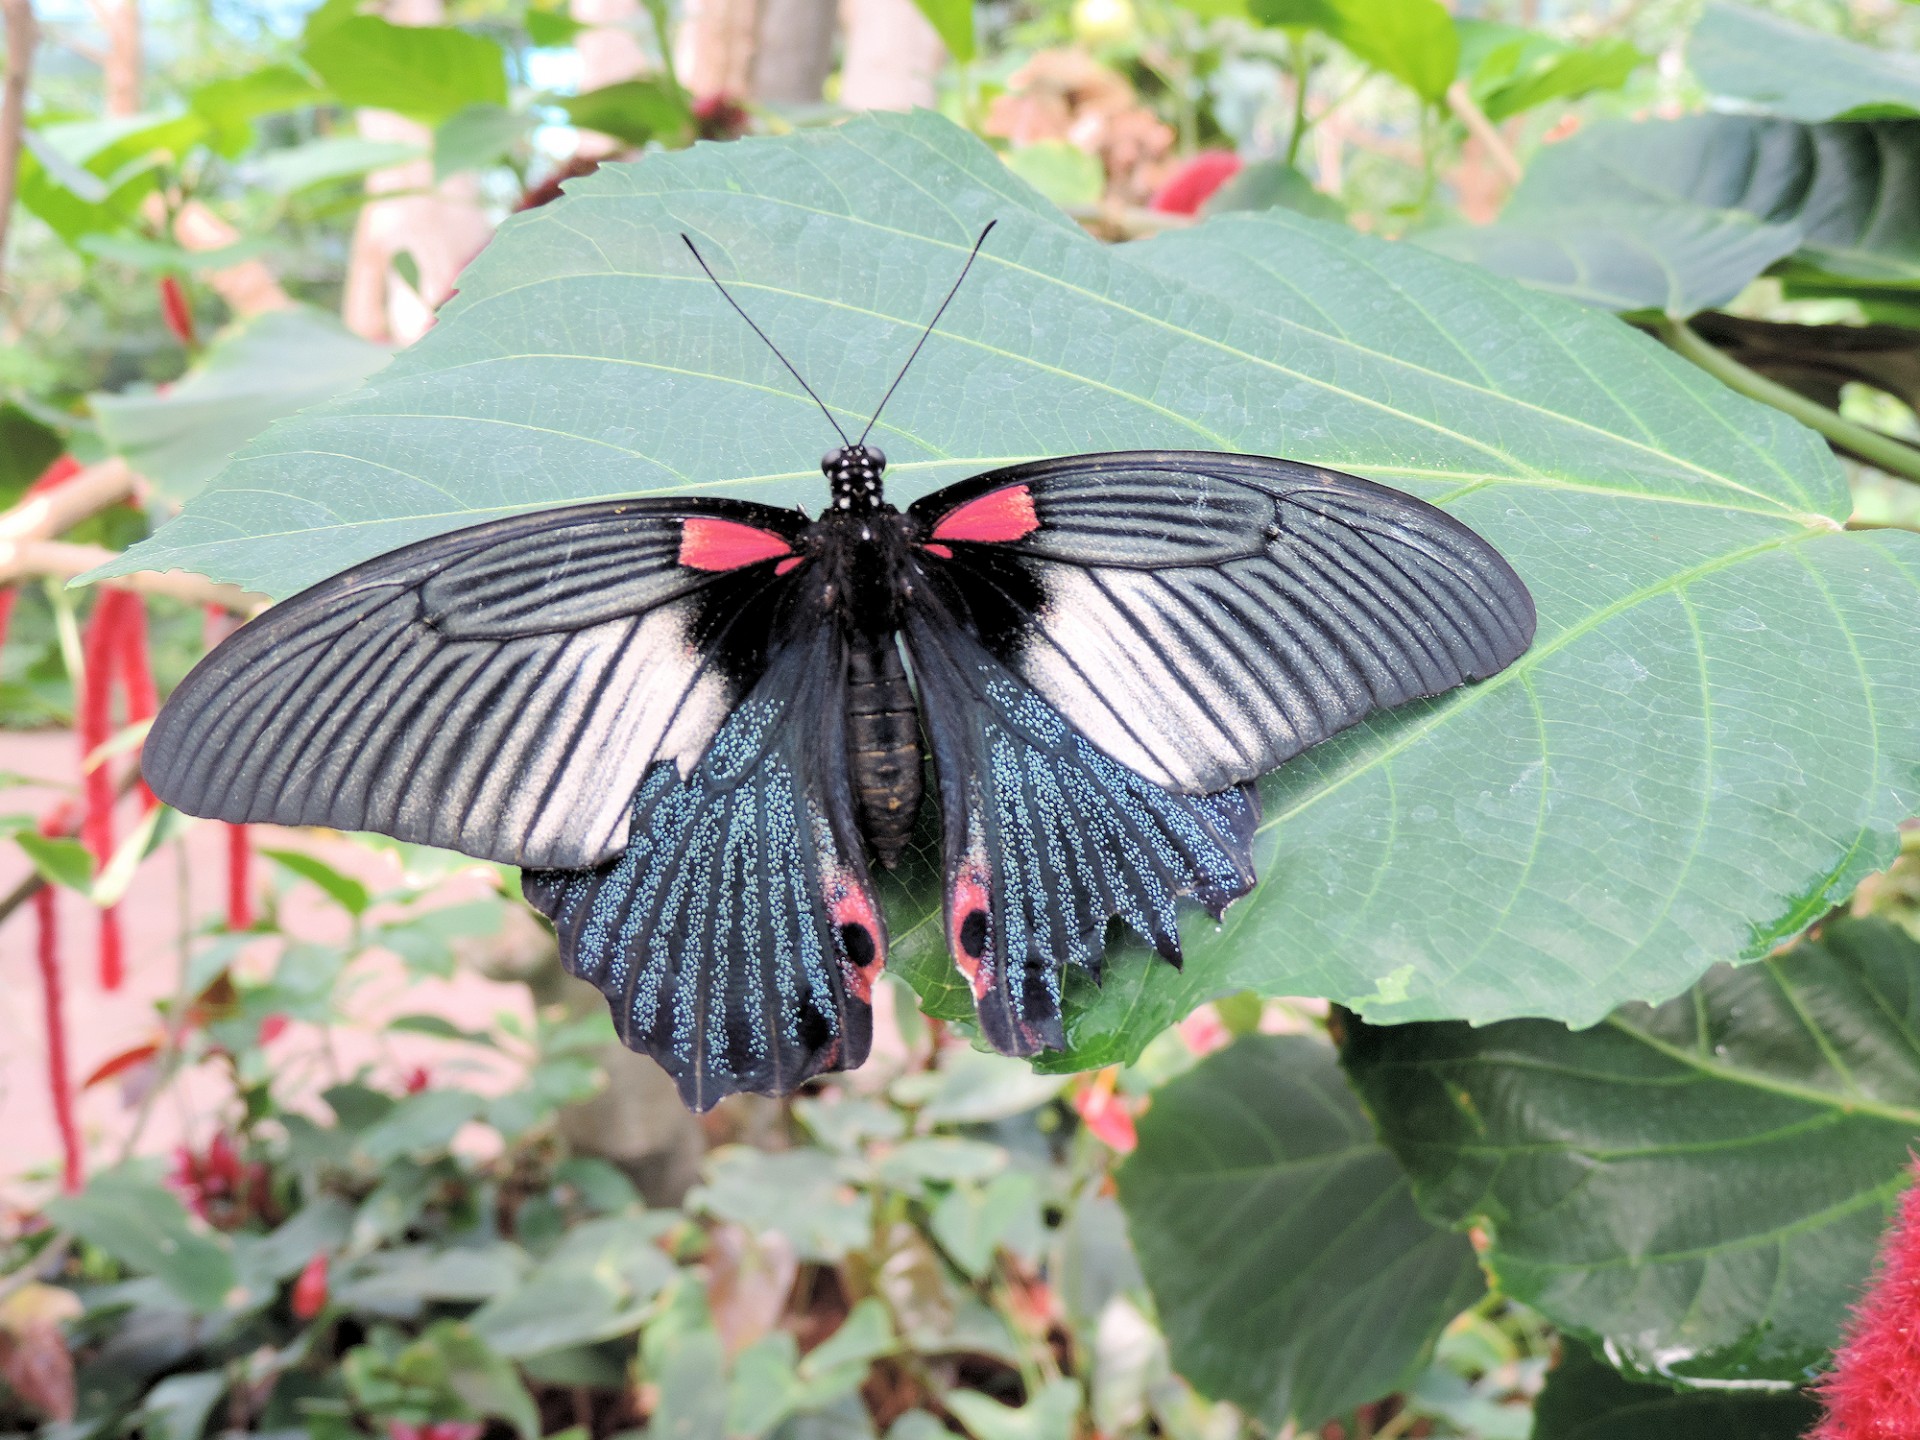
{"type": "Point", "coordinates": [795, 51]}
{"type": "Point", "coordinates": [714, 50]}
{"type": "Point", "coordinates": [441, 226]}
{"type": "Point", "coordinates": [892, 56]}
{"type": "Point", "coordinates": [122, 63]}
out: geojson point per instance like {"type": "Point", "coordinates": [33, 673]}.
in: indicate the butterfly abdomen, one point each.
{"type": "Point", "coordinates": [883, 745]}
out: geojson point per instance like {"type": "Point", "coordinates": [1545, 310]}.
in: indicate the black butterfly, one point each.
{"type": "Point", "coordinates": [684, 718]}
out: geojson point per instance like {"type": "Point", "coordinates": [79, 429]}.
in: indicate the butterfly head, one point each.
{"type": "Point", "coordinates": [853, 472]}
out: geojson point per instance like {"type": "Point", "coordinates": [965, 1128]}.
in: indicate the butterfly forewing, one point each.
{"type": "Point", "coordinates": [1201, 617]}
{"type": "Point", "coordinates": [500, 690]}
{"type": "Point", "coordinates": [738, 937]}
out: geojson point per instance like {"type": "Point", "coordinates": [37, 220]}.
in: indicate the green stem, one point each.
{"type": "Point", "coordinates": [663, 35]}
{"type": "Point", "coordinates": [1302, 68]}
{"type": "Point", "coordinates": [1872, 446]}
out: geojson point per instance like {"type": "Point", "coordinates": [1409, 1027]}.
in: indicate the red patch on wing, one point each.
{"type": "Point", "coordinates": [709, 544]}
{"type": "Point", "coordinates": [851, 910]}
{"type": "Point", "coordinates": [945, 552]}
{"type": "Point", "coordinates": [967, 911]}
{"type": "Point", "coordinates": [999, 515]}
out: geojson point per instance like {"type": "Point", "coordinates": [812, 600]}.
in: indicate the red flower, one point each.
{"type": "Point", "coordinates": [273, 1026]}
{"type": "Point", "coordinates": [435, 1430]}
{"type": "Point", "coordinates": [1873, 1390]}
{"type": "Point", "coordinates": [417, 1080]}
{"type": "Point", "coordinates": [1193, 184]}
{"type": "Point", "coordinates": [310, 1290]}
{"type": "Point", "coordinates": [218, 1186]}
{"type": "Point", "coordinates": [1105, 1113]}
{"type": "Point", "coordinates": [175, 310]}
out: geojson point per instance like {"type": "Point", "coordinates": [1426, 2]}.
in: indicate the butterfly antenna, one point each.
{"type": "Point", "coordinates": [924, 334]}
{"type": "Point", "coordinates": [775, 348]}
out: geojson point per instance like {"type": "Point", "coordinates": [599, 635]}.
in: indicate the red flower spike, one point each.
{"type": "Point", "coordinates": [239, 897]}
{"type": "Point", "coordinates": [1873, 1390]}
{"type": "Point", "coordinates": [310, 1290]}
{"type": "Point", "coordinates": [59, 1084]}
{"type": "Point", "coordinates": [175, 310]}
{"type": "Point", "coordinates": [58, 473]}
{"type": "Point", "coordinates": [135, 668]}
{"type": "Point", "coordinates": [7, 597]}
{"type": "Point", "coordinates": [1193, 184]}
{"type": "Point", "coordinates": [101, 653]}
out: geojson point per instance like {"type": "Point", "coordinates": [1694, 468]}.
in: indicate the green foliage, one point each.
{"type": "Point", "coordinates": [953, 21]}
{"type": "Point", "coordinates": [426, 71]}
{"type": "Point", "coordinates": [1705, 609]}
{"type": "Point", "coordinates": [1644, 1181]}
{"type": "Point", "coordinates": [1586, 1399]}
{"type": "Point", "coordinates": [1510, 69]}
{"type": "Point", "coordinates": [635, 111]}
{"type": "Point", "coordinates": [253, 374]}
{"type": "Point", "coordinates": [1787, 69]}
{"type": "Point", "coordinates": [1413, 40]}
{"type": "Point", "coordinates": [1678, 216]}
{"type": "Point", "coordinates": [1292, 1272]}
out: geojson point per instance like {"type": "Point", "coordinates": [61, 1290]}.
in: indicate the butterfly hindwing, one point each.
{"type": "Point", "coordinates": [1203, 617]}
{"type": "Point", "coordinates": [499, 690]}
{"type": "Point", "coordinates": [738, 937]}
{"type": "Point", "coordinates": [1048, 838]}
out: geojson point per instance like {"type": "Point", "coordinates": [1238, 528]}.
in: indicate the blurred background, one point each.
{"type": "Point", "coordinates": [456, 1204]}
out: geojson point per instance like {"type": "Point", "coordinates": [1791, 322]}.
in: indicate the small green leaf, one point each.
{"type": "Point", "coordinates": [419, 1125]}
{"type": "Point", "coordinates": [1587, 1399]}
{"type": "Point", "coordinates": [1291, 1270]}
{"type": "Point", "coordinates": [60, 861]}
{"type": "Point", "coordinates": [327, 160]}
{"type": "Point", "coordinates": [144, 1227]}
{"type": "Point", "coordinates": [476, 137]}
{"type": "Point", "coordinates": [971, 1221]}
{"type": "Point", "coordinates": [27, 447]}
{"type": "Point", "coordinates": [599, 1282]}
{"type": "Point", "coordinates": [440, 1028]}
{"type": "Point", "coordinates": [426, 71]}
{"type": "Point", "coordinates": [634, 111]}
{"type": "Point", "coordinates": [1412, 40]}
{"type": "Point", "coordinates": [156, 256]}
{"type": "Point", "coordinates": [1267, 183]}
{"type": "Point", "coordinates": [1065, 174]}
{"type": "Point", "coordinates": [1701, 1185]}
{"type": "Point", "coordinates": [177, 1408]}
{"type": "Point", "coordinates": [799, 1193]}
{"type": "Point", "coordinates": [939, 1159]}
{"type": "Point", "coordinates": [952, 21]}
{"type": "Point", "coordinates": [346, 892]}
{"type": "Point", "coordinates": [551, 28]}
{"type": "Point", "coordinates": [1048, 1415]}
{"type": "Point", "coordinates": [682, 1355]}
{"type": "Point", "coordinates": [1511, 69]}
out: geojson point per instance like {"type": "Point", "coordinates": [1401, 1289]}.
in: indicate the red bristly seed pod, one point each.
{"type": "Point", "coordinates": [239, 895]}
{"type": "Point", "coordinates": [99, 655]}
{"type": "Point", "coordinates": [175, 310]}
{"type": "Point", "coordinates": [1873, 1390]}
{"type": "Point", "coordinates": [53, 997]}
{"type": "Point", "coordinates": [135, 669]}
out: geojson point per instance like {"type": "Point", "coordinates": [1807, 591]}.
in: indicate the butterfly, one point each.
{"type": "Point", "coordinates": [692, 721]}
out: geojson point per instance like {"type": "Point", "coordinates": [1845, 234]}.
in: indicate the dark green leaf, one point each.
{"type": "Point", "coordinates": [549, 28]}
{"type": "Point", "coordinates": [1712, 737]}
{"type": "Point", "coordinates": [600, 1281]}
{"type": "Point", "coordinates": [952, 21]}
{"type": "Point", "coordinates": [345, 891]}
{"type": "Point", "coordinates": [1291, 1271]}
{"type": "Point", "coordinates": [357, 1106]}
{"type": "Point", "coordinates": [145, 1228]}
{"type": "Point", "coordinates": [426, 71]}
{"type": "Point", "coordinates": [1587, 1399]}
{"type": "Point", "coordinates": [253, 374]}
{"type": "Point", "coordinates": [27, 447]}
{"type": "Point", "coordinates": [440, 1028]}
{"type": "Point", "coordinates": [634, 111]}
{"type": "Point", "coordinates": [1701, 1185]}
{"type": "Point", "coordinates": [1680, 215]}
{"type": "Point", "coordinates": [1789, 69]}
{"type": "Point", "coordinates": [319, 1227]}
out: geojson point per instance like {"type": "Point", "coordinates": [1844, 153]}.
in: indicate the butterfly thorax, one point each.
{"type": "Point", "coordinates": [861, 542]}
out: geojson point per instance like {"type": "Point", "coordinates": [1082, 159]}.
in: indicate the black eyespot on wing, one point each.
{"type": "Point", "coordinates": [499, 690]}
{"type": "Point", "coordinates": [1203, 617]}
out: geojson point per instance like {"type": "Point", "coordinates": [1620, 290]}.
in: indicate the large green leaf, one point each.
{"type": "Point", "coordinates": [1805, 74]}
{"type": "Point", "coordinates": [254, 373]}
{"type": "Point", "coordinates": [1412, 40]}
{"type": "Point", "coordinates": [144, 1227]}
{"type": "Point", "coordinates": [1291, 1271]}
{"type": "Point", "coordinates": [1587, 1399]}
{"type": "Point", "coordinates": [427, 71]}
{"type": "Point", "coordinates": [1701, 1185]}
{"type": "Point", "coordinates": [1714, 734]}
{"type": "Point", "coordinates": [1680, 215]}
{"type": "Point", "coordinates": [1511, 69]}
